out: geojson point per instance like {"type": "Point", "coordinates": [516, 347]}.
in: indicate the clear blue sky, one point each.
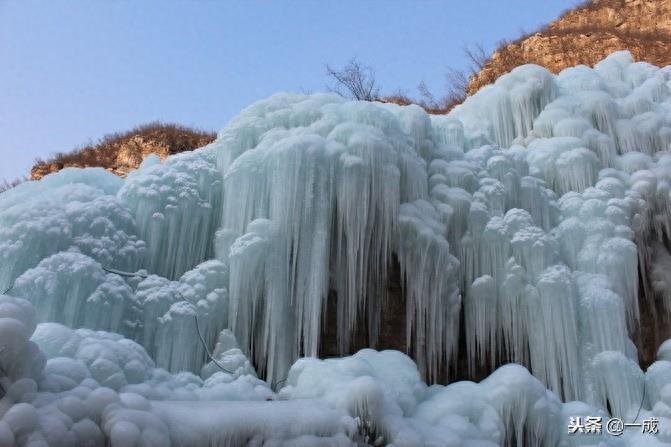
{"type": "Point", "coordinates": [72, 71]}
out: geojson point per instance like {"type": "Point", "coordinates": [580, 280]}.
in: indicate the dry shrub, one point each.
{"type": "Point", "coordinates": [104, 152]}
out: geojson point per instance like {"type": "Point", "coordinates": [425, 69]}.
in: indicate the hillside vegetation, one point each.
{"type": "Point", "coordinates": [122, 152]}
{"type": "Point", "coordinates": [585, 35]}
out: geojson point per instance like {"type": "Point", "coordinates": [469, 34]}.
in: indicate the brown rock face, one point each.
{"type": "Point", "coordinates": [585, 35]}
{"type": "Point", "coordinates": [121, 153]}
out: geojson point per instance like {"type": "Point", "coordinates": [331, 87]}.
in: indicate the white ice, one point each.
{"type": "Point", "coordinates": [186, 304]}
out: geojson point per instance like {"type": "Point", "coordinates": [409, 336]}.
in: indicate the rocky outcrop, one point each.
{"type": "Point", "coordinates": [122, 152]}
{"type": "Point", "coordinates": [585, 35]}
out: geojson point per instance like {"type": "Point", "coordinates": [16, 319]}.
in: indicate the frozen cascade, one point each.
{"type": "Point", "coordinates": [320, 204]}
{"type": "Point", "coordinates": [73, 210]}
{"type": "Point", "coordinates": [521, 220]}
{"type": "Point", "coordinates": [175, 205]}
{"type": "Point", "coordinates": [507, 108]}
{"type": "Point", "coordinates": [618, 383]}
{"type": "Point", "coordinates": [72, 289]}
{"type": "Point", "coordinates": [479, 194]}
{"type": "Point", "coordinates": [175, 312]}
{"type": "Point", "coordinates": [431, 272]}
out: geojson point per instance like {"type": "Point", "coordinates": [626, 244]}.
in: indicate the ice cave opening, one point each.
{"type": "Point", "coordinates": [331, 272]}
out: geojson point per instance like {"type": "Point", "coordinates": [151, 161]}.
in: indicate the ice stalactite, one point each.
{"type": "Point", "coordinates": [480, 315]}
{"type": "Point", "coordinates": [331, 189]}
{"type": "Point", "coordinates": [72, 289]}
{"type": "Point", "coordinates": [260, 313]}
{"type": "Point", "coordinates": [618, 383]}
{"type": "Point", "coordinates": [499, 246]}
{"type": "Point", "coordinates": [660, 281]}
{"type": "Point", "coordinates": [553, 336]}
{"type": "Point", "coordinates": [563, 163]}
{"type": "Point", "coordinates": [157, 312]}
{"type": "Point", "coordinates": [499, 303]}
{"type": "Point", "coordinates": [175, 205]}
{"type": "Point", "coordinates": [582, 129]}
{"type": "Point", "coordinates": [602, 316]}
{"type": "Point", "coordinates": [430, 274]}
{"type": "Point", "coordinates": [177, 313]}
{"type": "Point", "coordinates": [510, 105]}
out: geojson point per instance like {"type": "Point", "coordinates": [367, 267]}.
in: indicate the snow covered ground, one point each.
{"type": "Point", "coordinates": [184, 305]}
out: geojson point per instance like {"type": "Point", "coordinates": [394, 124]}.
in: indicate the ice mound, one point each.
{"type": "Point", "coordinates": [75, 210]}
{"type": "Point", "coordinates": [66, 387]}
{"type": "Point", "coordinates": [187, 304]}
{"type": "Point", "coordinates": [99, 388]}
{"type": "Point", "coordinates": [73, 289]}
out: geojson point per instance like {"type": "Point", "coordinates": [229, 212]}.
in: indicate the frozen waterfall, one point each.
{"type": "Point", "coordinates": [188, 304]}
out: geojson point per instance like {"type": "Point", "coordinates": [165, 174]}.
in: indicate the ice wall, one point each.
{"type": "Point", "coordinates": [521, 220]}
{"type": "Point", "coordinates": [315, 205]}
{"type": "Point", "coordinates": [504, 234]}
{"type": "Point", "coordinates": [175, 205]}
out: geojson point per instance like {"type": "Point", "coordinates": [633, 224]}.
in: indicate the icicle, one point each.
{"type": "Point", "coordinates": [618, 259]}
{"type": "Point", "coordinates": [553, 341]}
{"type": "Point", "coordinates": [480, 314]}
{"type": "Point", "coordinates": [73, 289]}
{"type": "Point", "coordinates": [538, 201]}
{"type": "Point", "coordinates": [174, 204]}
{"type": "Point", "coordinates": [333, 198]}
{"type": "Point", "coordinates": [602, 145]}
{"type": "Point", "coordinates": [602, 315]}
{"type": "Point", "coordinates": [430, 274]}
{"type": "Point", "coordinates": [511, 105]}
{"type": "Point", "coordinates": [618, 384]}
{"type": "Point", "coordinates": [530, 416]}
{"type": "Point", "coordinates": [600, 110]}
{"type": "Point", "coordinates": [576, 170]}
{"type": "Point", "coordinates": [199, 309]}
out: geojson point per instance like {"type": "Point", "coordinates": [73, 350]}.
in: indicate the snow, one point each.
{"type": "Point", "coordinates": [185, 304]}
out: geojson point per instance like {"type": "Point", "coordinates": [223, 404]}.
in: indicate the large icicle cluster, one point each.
{"type": "Point", "coordinates": [313, 205]}
{"type": "Point", "coordinates": [601, 145]}
{"type": "Point", "coordinates": [175, 206]}
{"type": "Point", "coordinates": [75, 210]}
{"type": "Point", "coordinates": [534, 219]}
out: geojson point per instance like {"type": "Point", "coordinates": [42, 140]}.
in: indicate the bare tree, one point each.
{"type": "Point", "coordinates": [428, 100]}
{"type": "Point", "coordinates": [477, 56]}
{"type": "Point", "coordinates": [457, 84]}
{"type": "Point", "coordinates": [355, 80]}
{"type": "Point", "coordinates": [458, 80]}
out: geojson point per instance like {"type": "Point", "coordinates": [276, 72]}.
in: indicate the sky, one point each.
{"type": "Point", "coordinates": [72, 71]}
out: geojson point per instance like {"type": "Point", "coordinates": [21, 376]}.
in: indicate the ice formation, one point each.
{"type": "Point", "coordinates": [188, 304]}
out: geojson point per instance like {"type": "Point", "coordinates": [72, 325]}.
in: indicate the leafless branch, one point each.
{"type": "Point", "coordinates": [457, 84]}
{"type": "Point", "coordinates": [428, 99]}
{"type": "Point", "coordinates": [355, 81]}
{"type": "Point", "coordinates": [477, 56]}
